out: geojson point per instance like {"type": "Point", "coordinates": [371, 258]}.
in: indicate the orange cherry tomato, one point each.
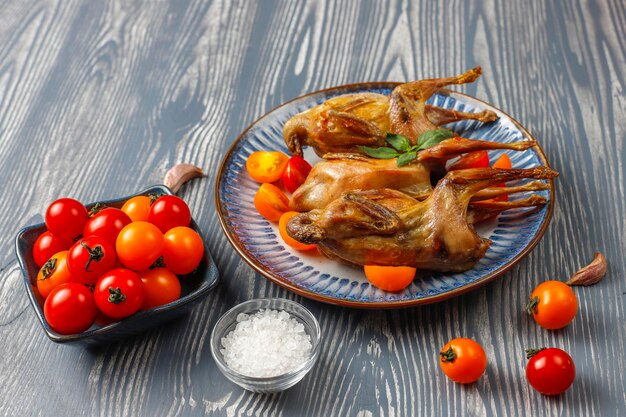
{"type": "Point", "coordinates": [477, 159]}
{"type": "Point", "coordinates": [53, 273]}
{"type": "Point", "coordinates": [504, 162]}
{"type": "Point", "coordinates": [183, 250]}
{"type": "Point", "coordinates": [271, 202]}
{"type": "Point", "coordinates": [137, 208]}
{"type": "Point", "coordinates": [266, 166]}
{"type": "Point", "coordinates": [282, 228]}
{"type": "Point", "coordinates": [390, 278]}
{"type": "Point", "coordinates": [160, 287]}
{"type": "Point", "coordinates": [463, 360]}
{"type": "Point", "coordinates": [138, 245]}
{"type": "Point", "coordinates": [553, 305]}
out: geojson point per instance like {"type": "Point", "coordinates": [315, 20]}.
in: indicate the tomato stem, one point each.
{"type": "Point", "coordinates": [531, 307]}
{"type": "Point", "coordinates": [95, 254]}
{"type": "Point", "coordinates": [532, 352]}
{"type": "Point", "coordinates": [447, 355]}
{"type": "Point", "coordinates": [115, 295]}
{"type": "Point", "coordinates": [97, 208]}
{"type": "Point", "coordinates": [154, 196]}
{"type": "Point", "coordinates": [49, 268]}
{"type": "Point", "coordinates": [159, 263]}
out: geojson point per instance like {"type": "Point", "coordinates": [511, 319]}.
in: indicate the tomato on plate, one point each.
{"type": "Point", "coordinates": [160, 287]}
{"type": "Point", "coordinates": [389, 278]}
{"type": "Point", "coordinates": [282, 228]}
{"type": "Point", "coordinates": [463, 360]}
{"type": "Point", "coordinates": [266, 166]}
{"type": "Point", "coordinates": [477, 159]}
{"type": "Point", "coordinates": [271, 202]}
{"type": "Point", "coordinates": [139, 245]}
{"type": "Point", "coordinates": [89, 258]}
{"type": "Point", "coordinates": [295, 173]}
{"type": "Point", "coordinates": [503, 162]}
{"type": "Point", "coordinates": [183, 250]}
{"type": "Point", "coordinates": [550, 371]}
{"type": "Point", "coordinates": [53, 273]}
{"type": "Point", "coordinates": [70, 308]}
{"type": "Point", "coordinates": [552, 304]}
{"type": "Point", "coordinates": [169, 211]}
{"type": "Point", "coordinates": [119, 293]}
{"type": "Point", "coordinates": [47, 245]}
{"type": "Point", "coordinates": [107, 223]}
{"type": "Point", "coordinates": [137, 208]}
{"type": "Point", "coordinates": [66, 218]}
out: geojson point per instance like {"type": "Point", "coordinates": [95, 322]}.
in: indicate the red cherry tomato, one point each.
{"type": "Point", "coordinates": [295, 173]}
{"type": "Point", "coordinates": [47, 245]}
{"type": "Point", "coordinates": [53, 273]}
{"type": "Point", "coordinates": [107, 224]}
{"type": "Point", "coordinates": [478, 159]}
{"type": "Point", "coordinates": [119, 293]}
{"type": "Point", "coordinates": [550, 371]}
{"type": "Point", "coordinates": [169, 211]}
{"type": "Point", "coordinates": [463, 360]}
{"type": "Point", "coordinates": [160, 287]}
{"type": "Point", "coordinates": [137, 208]}
{"type": "Point", "coordinates": [66, 218]}
{"type": "Point", "coordinates": [138, 245]}
{"type": "Point", "coordinates": [183, 250]}
{"type": "Point", "coordinates": [89, 258]}
{"type": "Point", "coordinates": [70, 308]}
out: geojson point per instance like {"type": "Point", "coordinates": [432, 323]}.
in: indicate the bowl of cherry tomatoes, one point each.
{"type": "Point", "coordinates": [99, 272]}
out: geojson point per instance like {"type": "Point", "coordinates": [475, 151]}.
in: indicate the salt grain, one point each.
{"type": "Point", "coordinates": [265, 344]}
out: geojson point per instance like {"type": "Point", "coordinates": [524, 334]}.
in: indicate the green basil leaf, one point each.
{"type": "Point", "coordinates": [399, 142]}
{"type": "Point", "coordinates": [379, 153]}
{"type": "Point", "coordinates": [433, 137]}
{"type": "Point", "coordinates": [406, 158]}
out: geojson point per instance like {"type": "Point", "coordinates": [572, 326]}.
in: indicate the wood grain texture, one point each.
{"type": "Point", "coordinates": [97, 99]}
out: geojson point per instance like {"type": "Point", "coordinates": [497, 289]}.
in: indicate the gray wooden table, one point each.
{"type": "Point", "coordinates": [98, 98]}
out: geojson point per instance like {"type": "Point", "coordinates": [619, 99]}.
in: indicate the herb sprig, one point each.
{"type": "Point", "coordinates": [402, 149]}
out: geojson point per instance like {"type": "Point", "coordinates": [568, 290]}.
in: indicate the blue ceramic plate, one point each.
{"type": "Point", "coordinates": [514, 233]}
{"type": "Point", "coordinates": [194, 287]}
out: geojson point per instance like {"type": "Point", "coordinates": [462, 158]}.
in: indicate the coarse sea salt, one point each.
{"type": "Point", "coordinates": [265, 344]}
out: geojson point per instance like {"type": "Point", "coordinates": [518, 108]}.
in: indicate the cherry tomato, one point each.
{"type": "Point", "coordinates": [183, 250]}
{"type": "Point", "coordinates": [70, 308]}
{"type": "Point", "coordinates": [266, 166]}
{"type": "Point", "coordinates": [478, 159]}
{"type": "Point", "coordinates": [282, 228]}
{"type": "Point", "coordinates": [390, 278]}
{"type": "Point", "coordinates": [552, 304]}
{"type": "Point", "coordinates": [271, 202]}
{"type": "Point", "coordinates": [463, 360]}
{"type": "Point", "coordinates": [550, 371]}
{"type": "Point", "coordinates": [89, 258]}
{"type": "Point", "coordinates": [107, 224]}
{"type": "Point", "coordinates": [160, 287]}
{"type": "Point", "coordinates": [53, 273]}
{"type": "Point", "coordinates": [137, 208]}
{"type": "Point", "coordinates": [47, 245]}
{"type": "Point", "coordinates": [295, 173]}
{"type": "Point", "coordinates": [119, 293]}
{"type": "Point", "coordinates": [138, 245]}
{"type": "Point", "coordinates": [169, 211]}
{"type": "Point", "coordinates": [66, 218]}
{"type": "Point", "coordinates": [504, 162]}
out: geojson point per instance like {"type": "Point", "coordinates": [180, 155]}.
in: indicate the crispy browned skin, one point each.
{"type": "Point", "coordinates": [339, 173]}
{"type": "Point", "coordinates": [380, 227]}
{"type": "Point", "coordinates": [343, 122]}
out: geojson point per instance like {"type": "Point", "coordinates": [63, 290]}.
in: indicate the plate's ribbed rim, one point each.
{"type": "Point", "coordinates": [257, 266]}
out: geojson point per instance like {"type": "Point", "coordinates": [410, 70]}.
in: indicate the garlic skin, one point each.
{"type": "Point", "coordinates": [180, 174]}
{"type": "Point", "coordinates": [592, 273]}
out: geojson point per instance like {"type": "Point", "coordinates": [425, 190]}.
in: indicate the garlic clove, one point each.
{"type": "Point", "coordinates": [180, 174]}
{"type": "Point", "coordinates": [592, 273]}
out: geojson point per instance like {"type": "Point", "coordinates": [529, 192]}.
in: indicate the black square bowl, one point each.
{"type": "Point", "coordinates": [194, 287]}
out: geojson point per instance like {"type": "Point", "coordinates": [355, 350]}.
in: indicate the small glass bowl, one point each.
{"type": "Point", "coordinates": [266, 385]}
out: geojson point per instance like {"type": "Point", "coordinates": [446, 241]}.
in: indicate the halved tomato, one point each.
{"type": "Point", "coordinates": [271, 202]}
{"type": "Point", "coordinates": [266, 166]}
